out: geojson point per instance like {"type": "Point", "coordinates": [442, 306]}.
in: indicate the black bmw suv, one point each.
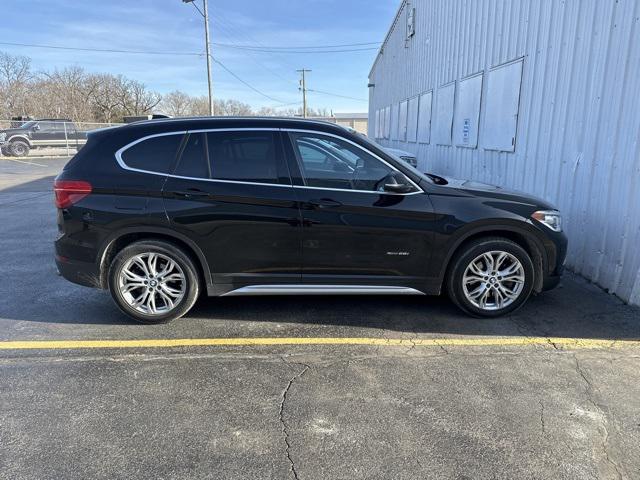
{"type": "Point", "coordinates": [160, 211]}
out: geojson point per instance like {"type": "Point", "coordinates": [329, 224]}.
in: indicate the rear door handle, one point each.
{"type": "Point", "coordinates": [324, 203]}
{"type": "Point", "coordinates": [191, 193]}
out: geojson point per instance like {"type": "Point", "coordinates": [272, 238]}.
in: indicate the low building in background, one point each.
{"type": "Point", "coordinates": [538, 96]}
{"type": "Point", "coordinates": [357, 121]}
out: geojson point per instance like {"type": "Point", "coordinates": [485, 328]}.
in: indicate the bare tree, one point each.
{"type": "Point", "coordinates": [73, 93]}
{"type": "Point", "coordinates": [177, 104]}
{"type": "Point", "coordinates": [15, 79]}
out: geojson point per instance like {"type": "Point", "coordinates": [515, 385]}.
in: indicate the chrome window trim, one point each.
{"type": "Point", "coordinates": [124, 166]}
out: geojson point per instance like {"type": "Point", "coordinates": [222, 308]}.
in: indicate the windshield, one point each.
{"type": "Point", "coordinates": [28, 124]}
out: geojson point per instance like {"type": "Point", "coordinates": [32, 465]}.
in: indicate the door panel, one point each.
{"type": "Point", "coordinates": [357, 233]}
{"type": "Point", "coordinates": [362, 238]}
{"type": "Point", "coordinates": [249, 231]}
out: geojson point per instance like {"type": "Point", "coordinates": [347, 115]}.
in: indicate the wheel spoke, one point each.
{"type": "Point", "coordinates": [129, 287]}
{"type": "Point", "coordinates": [151, 302]}
{"type": "Point", "coordinates": [174, 292]}
{"type": "Point", "coordinates": [489, 261]}
{"type": "Point", "coordinates": [174, 277]}
{"type": "Point", "coordinates": [152, 261]}
{"type": "Point", "coordinates": [514, 279]}
{"type": "Point", "coordinates": [141, 299]}
{"type": "Point", "coordinates": [502, 256]}
{"type": "Point", "coordinates": [477, 291]}
{"type": "Point", "coordinates": [168, 301]}
{"type": "Point", "coordinates": [142, 264]}
{"type": "Point", "coordinates": [132, 276]}
{"type": "Point", "coordinates": [482, 301]}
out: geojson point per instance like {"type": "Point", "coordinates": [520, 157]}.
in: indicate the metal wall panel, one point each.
{"type": "Point", "coordinates": [578, 124]}
{"type": "Point", "coordinates": [424, 117]}
{"type": "Point", "coordinates": [467, 113]}
{"type": "Point", "coordinates": [445, 97]}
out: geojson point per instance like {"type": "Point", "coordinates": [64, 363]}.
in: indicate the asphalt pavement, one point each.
{"type": "Point", "coordinates": [302, 387]}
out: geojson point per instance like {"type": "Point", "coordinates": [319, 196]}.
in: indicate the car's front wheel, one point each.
{"type": "Point", "coordinates": [490, 277]}
{"type": "Point", "coordinates": [18, 148]}
{"type": "Point", "coordinates": [153, 281]}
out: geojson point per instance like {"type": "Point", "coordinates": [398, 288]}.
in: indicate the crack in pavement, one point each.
{"type": "Point", "coordinates": [285, 432]}
{"type": "Point", "coordinates": [603, 422]}
{"type": "Point", "coordinates": [542, 426]}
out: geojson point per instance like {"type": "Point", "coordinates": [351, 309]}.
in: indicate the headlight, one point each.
{"type": "Point", "coordinates": [3, 136]}
{"type": "Point", "coordinates": [550, 218]}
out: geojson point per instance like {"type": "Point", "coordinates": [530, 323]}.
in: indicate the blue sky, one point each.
{"type": "Point", "coordinates": [170, 25]}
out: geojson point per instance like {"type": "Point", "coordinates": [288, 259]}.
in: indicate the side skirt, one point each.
{"type": "Point", "coordinates": [321, 290]}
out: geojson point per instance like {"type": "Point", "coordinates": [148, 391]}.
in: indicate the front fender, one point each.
{"type": "Point", "coordinates": [19, 137]}
{"type": "Point", "coordinates": [536, 244]}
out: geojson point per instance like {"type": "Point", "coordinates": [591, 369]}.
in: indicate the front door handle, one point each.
{"type": "Point", "coordinates": [323, 203]}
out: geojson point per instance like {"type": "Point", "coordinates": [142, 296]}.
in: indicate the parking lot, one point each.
{"type": "Point", "coordinates": [302, 387]}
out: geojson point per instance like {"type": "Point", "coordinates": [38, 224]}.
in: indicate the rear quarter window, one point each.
{"type": "Point", "coordinates": [155, 154]}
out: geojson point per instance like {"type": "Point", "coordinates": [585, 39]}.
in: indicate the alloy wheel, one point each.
{"type": "Point", "coordinates": [493, 280]}
{"type": "Point", "coordinates": [152, 283]}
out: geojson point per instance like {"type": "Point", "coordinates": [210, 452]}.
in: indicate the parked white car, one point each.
{"type": "Point", "coordinates": [408, 157]}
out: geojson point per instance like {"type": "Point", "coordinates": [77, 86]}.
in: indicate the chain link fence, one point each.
{"type": "Point", "coordinates": [45, 137]}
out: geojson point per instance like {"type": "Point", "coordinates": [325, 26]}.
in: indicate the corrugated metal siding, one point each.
{"type": "Point", "coordinates": [579, 118]}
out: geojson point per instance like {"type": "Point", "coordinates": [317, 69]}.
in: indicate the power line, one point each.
{"type": "Point", "coordinates": [105, 50]}
{"type": "Point", "coordinates": [245, 83]}
{"type": "Point", "coordinates": [282, 52]}
{"type": "Point", "coordinates": [301, 47]}
{"type": "Point", "coordinates": [337, 95]}
{"type": "Point", "coordinates": [227, 33]}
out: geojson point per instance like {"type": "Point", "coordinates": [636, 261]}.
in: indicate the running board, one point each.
{"type": "Point", "coordinates": [322, 290]}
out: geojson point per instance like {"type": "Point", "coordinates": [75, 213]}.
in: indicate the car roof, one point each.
{"type": "Point", "coordinates": [194, 123]}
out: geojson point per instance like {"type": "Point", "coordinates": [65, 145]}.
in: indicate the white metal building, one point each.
{"type": "Point", "coordinates": [540, 96]}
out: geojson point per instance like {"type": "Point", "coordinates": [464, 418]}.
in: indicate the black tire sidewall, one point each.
{"type": "Point", "coordinates": [454, 284]}
{"type": "Point", "coordinates": [173, 252]}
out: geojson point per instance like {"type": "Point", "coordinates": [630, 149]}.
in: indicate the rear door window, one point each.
{"type": "Point", "coordinates": [246, 156]}
{"type": "Point", "coordinates": [155, 154]}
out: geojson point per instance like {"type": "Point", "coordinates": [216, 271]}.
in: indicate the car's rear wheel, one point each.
{"type": "Point", "coordinates": [490, 277]}
{"type": "Point", "coordinates": [153, 281]}
{"type": "Point", "coordinates": [18, 148]}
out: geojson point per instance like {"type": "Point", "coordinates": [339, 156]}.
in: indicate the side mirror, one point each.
{"type": "Point", "coordinates": [36, 127]}
{"type": "Point", "coordinates": [398, 187]}
{"type": "Point", "coordinates": [397, 184]}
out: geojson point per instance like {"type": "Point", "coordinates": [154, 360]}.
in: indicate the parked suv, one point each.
{"type": "Point", "coordinates": [160, 211]}
{"type": "Point", "coordinates": [47, 132]}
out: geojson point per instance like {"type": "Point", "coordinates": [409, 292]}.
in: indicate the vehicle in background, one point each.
{"type": "Point", "coordinates": [403, 155]}
{"type": "Point", "coordinates": [42, 133]}
{"type": "Point", "coordinates": [408, 157]}
{"type": "Point", "coordinates": [159, 211]}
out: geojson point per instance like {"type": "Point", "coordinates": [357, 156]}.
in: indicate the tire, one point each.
{"type": "Point", "coordinates": [474, 287]}
{"type": "Point", "coordinates": [18, 148]}
{"type": "Point", "coordinates": [173, 293]}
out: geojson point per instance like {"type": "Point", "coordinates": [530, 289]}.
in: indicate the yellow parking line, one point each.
{"type": "Point", "coordinates": [275, 341]}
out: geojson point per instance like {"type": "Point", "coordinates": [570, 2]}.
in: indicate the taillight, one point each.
{"type": "Point", "coordinates": [68, 192]}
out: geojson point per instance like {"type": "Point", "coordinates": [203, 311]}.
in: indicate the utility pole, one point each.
{"type": "Point", "coordinates": [206, 35]}
{"type": "Point", "coordinates": [303, 88]}
{"type": "Point", "coordinates": [205, 14]}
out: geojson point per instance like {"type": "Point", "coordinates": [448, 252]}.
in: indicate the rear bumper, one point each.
{"type": "Point", "coordinates": [82, 273]}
